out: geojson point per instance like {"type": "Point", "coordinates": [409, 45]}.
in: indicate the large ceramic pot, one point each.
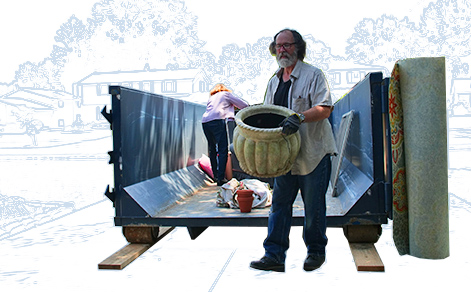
{"type": "Point", "coordinates": [259, 146]}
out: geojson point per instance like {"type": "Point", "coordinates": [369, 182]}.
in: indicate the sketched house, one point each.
{"type": "Point", "coordinates": [343, 76]}
{"type": "Point", "coordinates": [54, 109]}
{"type": "Point", "coordinates": [460, 92]}
{"type": "Point", "coordinates": [92, 91]}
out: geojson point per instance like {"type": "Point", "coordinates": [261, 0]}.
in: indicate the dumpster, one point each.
{"type": "Point", "coordinates": [157, 142]}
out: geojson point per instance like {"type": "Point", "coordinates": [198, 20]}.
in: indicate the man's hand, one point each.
{"type": "Point", "coordinates": [291, 124]}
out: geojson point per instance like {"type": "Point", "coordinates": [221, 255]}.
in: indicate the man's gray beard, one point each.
{"type": "Point", "coordinates": [283, 63]}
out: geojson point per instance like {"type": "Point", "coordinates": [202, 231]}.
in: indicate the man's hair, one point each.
{"type": "Point", "coordinates": [219, 87]}
{"type": "Point", "coordinates": [298, 40]}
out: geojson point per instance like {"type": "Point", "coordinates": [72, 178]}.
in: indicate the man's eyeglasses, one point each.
{"type": "Point", "coordinates": [285, 46]}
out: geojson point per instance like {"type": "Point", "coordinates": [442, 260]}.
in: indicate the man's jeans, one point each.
{"type": "Point", "coordinates": [313, 188]}
{"type": "Point", "coordinates": [216, 134]}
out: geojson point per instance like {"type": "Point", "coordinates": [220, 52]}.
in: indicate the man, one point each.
{"type": "Point", "coordinates": [304, 89]}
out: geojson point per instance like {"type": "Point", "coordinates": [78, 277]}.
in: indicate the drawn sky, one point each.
{"type": "Point", "coordinates": [27, 27]}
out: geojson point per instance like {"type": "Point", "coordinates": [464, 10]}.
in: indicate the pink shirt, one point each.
{"type": "Point", "coordinates": [221, 106]}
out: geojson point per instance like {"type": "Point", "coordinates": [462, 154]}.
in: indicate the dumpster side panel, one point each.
{"type": "Point", "coordinates": [158, 135]}
{"type": "Point", "coordinates": [366, 153]}
{"type": "Point", "coordinates": [152, 135]}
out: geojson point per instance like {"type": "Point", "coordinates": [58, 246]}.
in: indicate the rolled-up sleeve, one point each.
{"type": "Point", "coordinates": [320, 94]}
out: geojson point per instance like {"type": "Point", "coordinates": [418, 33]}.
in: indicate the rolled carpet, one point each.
{"type": "Point", "coordinates": [417, 109]}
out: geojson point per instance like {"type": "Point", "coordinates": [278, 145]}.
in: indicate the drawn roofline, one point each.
{"type": "Point", "coordinates": [137, 75]}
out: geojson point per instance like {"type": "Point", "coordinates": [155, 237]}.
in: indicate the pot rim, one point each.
{"type": "Point", "coordinates": [261, 109]}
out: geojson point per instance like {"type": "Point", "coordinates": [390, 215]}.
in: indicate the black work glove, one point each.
{"type": "Point", "coordinates": [291, 124]}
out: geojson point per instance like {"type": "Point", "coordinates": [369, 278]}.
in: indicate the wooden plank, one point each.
{"type": "Point", "coordinates": [123, 257]}
{"type": "Point", "coordinates": [366, 257]}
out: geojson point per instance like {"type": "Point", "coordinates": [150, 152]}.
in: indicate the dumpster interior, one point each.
{"type": "Point", "coordinates": [157, 142]}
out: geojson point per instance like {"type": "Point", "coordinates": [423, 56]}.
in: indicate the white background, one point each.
{"type": "Point", "coordinates": [28, 27]}
{"type": "Point", "coordinates": [63, 255]}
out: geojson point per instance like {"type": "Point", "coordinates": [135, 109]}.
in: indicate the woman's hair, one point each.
{"type": "Point", "coordinates": [298, 42]}
{"type": "Point", "coordinates": [219, 87]}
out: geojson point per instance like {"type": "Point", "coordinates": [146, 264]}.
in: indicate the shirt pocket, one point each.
{"type": "Point", "coordinates": [301, 103]}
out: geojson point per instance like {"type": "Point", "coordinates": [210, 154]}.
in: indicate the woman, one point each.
{"type": "Point", "coordinates": [220, 107]}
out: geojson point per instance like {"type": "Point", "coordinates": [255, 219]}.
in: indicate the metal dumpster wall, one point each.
{"type": "Point", "coordinates": [152, 135]}
{"type": "Point", "coordinates": [367, 153]}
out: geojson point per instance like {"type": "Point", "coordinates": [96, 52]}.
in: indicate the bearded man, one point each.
{"type": "Point", "coordinates": [304, 89]}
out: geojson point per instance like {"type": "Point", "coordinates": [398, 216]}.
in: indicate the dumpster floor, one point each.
{"type": "Point", "coordinates": [202, 204]}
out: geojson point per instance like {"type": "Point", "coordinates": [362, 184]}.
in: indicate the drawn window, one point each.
{"type": "Point", "coordinates": [354, 77]}
{"type": "Point", "coordinates": [169, 86]}
{"type": "Point", "coordinates": [335, 77]}
{"type": "Point", "coordinates": [463, 97]}
{"type": "Point", "coordinates": [202, 87]}
{"type": "Point", "coordinates": [98, 114]}
{"type": "Point", "coordinates": [146, 86]}
{"type": "Point", "coordinates": [101, 89]}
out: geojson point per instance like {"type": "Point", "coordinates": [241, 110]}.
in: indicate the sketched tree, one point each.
{"type": "Point", "coordinates": [44, 74]}
{"type": "Point", "coordinates": [249, 68]}
{"type": "Point", "coordinates": [68, 38]}
{"type": "Point", "coordinates": [317, 53]}
{"type": "Point", "coordinates": [263, 66]}
{"type": "Point", "coordinates": [444, 30]}
{"type": "Point", "coordinates": [447, 26]}
{"type": "Point", "coordinates": [385, 40]}
{"type": "Point", "coordinates": [130, 35]}
{"type": "Point", "coordinates": [246, 69]}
